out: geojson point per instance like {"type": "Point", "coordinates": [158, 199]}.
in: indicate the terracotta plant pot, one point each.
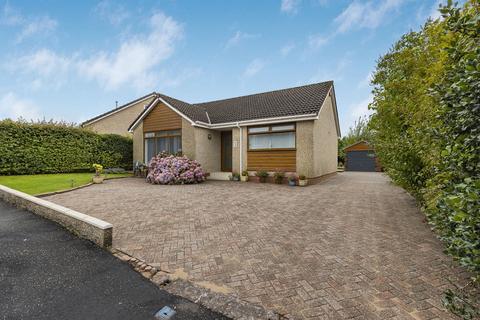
{"type": "Point", "coordinates": [302, 183]}
{"type": "Point", "coordinates": [97, 179]}
{"type": "Point", "coordinates": [262, 179]}
{"type": "Point", "coordinates": [244, 178]}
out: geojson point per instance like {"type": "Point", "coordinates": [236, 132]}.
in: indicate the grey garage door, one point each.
{"type": "Point", "coordinates": [362, 160]}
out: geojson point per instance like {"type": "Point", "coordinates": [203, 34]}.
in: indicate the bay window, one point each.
{"type": "Point", "coordinates": [271, 137]}
{"type": "Point", "coordinates": [169, 141]}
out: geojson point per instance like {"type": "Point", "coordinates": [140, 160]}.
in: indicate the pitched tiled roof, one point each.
{"type": "Point", "coordinates": [286, 102]}
{"type": "Point", "coordinates": [303, 100]}
{"type": "Point", "coordinates": [191, 111]}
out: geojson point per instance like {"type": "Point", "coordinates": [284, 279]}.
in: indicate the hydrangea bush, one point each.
{"type": "Point", "coordinates": [170, 169]}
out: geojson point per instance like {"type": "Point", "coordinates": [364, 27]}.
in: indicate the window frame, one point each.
{"type": "Point", "coordinates": [270, 132]}
{"type": "Point", "coordinates": [156, 136]}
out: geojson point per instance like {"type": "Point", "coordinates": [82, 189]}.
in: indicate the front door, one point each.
{"type": "Point", "coordinates": [227, 151]}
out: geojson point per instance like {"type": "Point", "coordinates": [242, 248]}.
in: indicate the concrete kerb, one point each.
{"type": "Point", "coordinates": [227, 304]}
{"type": "Point", "coordinates": [85, 226]}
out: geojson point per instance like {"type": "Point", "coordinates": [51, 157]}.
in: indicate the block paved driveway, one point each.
{"type": "Point", "coordinates": [352, 246]}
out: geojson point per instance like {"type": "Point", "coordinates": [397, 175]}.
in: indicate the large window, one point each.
{"type": "Point", "coordinates": [279, 136]}
{"type": "Point", "coordinates": [169, 141]}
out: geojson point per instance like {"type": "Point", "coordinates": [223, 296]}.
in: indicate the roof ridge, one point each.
{"type": "Point", "coordinates": [264, 92]}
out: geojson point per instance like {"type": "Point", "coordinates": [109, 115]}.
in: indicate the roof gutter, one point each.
{"type": "Point", "coordinates": [303, 117]}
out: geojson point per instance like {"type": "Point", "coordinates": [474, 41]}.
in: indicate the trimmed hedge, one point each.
{"type": "Point", "coordinates": [30, 148]}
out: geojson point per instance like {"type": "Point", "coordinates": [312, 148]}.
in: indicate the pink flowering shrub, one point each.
{"type": "Point", "coordinates": [170, 169]}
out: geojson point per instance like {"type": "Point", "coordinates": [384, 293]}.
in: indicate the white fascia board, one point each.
{"type": "Point", "coordinates": [302, 117]}
{"type": "Point", "coordinates": [118, 110]}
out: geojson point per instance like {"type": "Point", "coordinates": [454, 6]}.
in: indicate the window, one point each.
{"type": "Point", "coordinates": [280, 136]}
{"type": "Point", "coordinates": [169, 141]}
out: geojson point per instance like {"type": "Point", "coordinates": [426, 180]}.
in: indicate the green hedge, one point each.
{"type": "Point", "coordinates": [427, 132]}
{"type": "Point", "coordinates": [30, 148]}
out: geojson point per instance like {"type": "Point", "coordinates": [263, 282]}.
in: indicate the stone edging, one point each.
{"type": "Point", "coordinates": [46, 194]}
{"type": "Point", "coordinates": [227, 304]}
{"type": "Point", "coordinates": [85, 226]}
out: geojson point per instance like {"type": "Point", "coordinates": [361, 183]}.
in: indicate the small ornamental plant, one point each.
{"type": "Point", "coordinates": [302, 180]}
{"type": "Point", "coordinates": [292, 180]}
{"type": "Point", "coordinates": [262, 175]}
{"type": "Point", "coordinates": [170, 169]}
{"type": "Point", "coordinates": [98, 169]}
{"type": "Point", "coordinates": [278, 177]}
{"type": "Point", "coordinates": [235, 176]}
{"type": "Point", "coordinates": [244, 176]}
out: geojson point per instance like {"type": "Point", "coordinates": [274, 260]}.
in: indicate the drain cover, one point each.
{"type": "Point", "coordinates": [165, 313]}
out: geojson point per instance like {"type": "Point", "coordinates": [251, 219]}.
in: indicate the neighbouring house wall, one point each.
{"type": "Point", "coordinates": [162, 118]}
{"type": "Point", "coordinates": [188, 139]}
{"type": "Point", "coordinates": [207, 152]}
{"type": "Point", "coordinates": [305, 159]}
{"type": "Point", "coordinates": [138, 143]}
{"type": "Point", "coordinates": [119, 122]}
{"type": "Point", "coordinates": [325, 141]}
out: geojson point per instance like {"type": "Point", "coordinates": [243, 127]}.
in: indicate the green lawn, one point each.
{"type": "Point", "coordinates": [41, 183]}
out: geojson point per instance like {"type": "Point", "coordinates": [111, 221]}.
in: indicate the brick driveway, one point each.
{"type": "Point", "coordinates": [352, 246]}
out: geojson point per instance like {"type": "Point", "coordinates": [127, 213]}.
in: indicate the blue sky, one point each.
{"type": "Point", "coordinates": [72, 60]}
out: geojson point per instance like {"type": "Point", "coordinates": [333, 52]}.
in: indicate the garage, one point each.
{"type": "Point", "coordinates": [361, 157]}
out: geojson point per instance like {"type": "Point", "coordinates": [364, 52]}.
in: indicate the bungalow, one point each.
{"type": "Point", "coordinates": [292, 130]}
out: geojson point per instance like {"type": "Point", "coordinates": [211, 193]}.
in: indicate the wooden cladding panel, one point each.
{"type": "Point", "coordinates": [272, 160]}
{"type": "Point", "coordinates": [161, 118]}
{"type": "Point", "coordinates": [358, 147]}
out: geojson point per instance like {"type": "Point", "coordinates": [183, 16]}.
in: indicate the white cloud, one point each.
{"type": "Point", "coordinates": [254, 67]}
{"type": "Point", "coordinates": [133, 62]}
{"type": "Point", "coordinates": [317, 41]}
{"type": "Point", "coordinates": [238, 37]}
{"type": "Point", "coordinates": [365, 14]}
{"type": "Point", "coordinates": [168, 80]}
{"type": "Point", "coordinates": [29, 26]}
{"type": "Point", "coordinates": [290, 6]}
{"type": "Point", "coordinates": [39, 26]}
{"type": "Point", "coordinates": [111, 12]}
{"type": "Point", "coordinates": [360, 109]}
{"type": "Point", "coordinates": [336, 74]}
{"type": "Point", "coordinates": [286, 49]}
{"type": "Point", "coordinates": [13, 107]}
{"type": "Point", "coordinates": [365, 82]}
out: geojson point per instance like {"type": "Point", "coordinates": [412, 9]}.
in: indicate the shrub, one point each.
{"type": "Point", "coordinates": [245, 173]}
{"type": "Point", "coordinates": [98, 169]}
{"type": "Point", "coordinates": [170, 169]}
{"type": "Point", "coordinates": [278, 176]}
{"type": "Point", "coordinates": [427, 134]}
{"type": "Point", "coordinates": [302, 177]}
{"type": "Point", "coordinates": [261, 174]}
{"type": "Point", "coordinates": [31, 148]}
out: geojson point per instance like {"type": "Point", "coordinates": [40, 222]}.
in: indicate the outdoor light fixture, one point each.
{"type": "Point", "coordinates": [209, 136]}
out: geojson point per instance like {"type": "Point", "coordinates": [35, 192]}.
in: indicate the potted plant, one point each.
{"type": "Point", "coordinates": [278, 177]}
{"type": "Point", "coordinates": [262, 176]}
{"type": "Point", "coordinates": [302, 180]}
{"type": "Point", "coordinates": [97, 178]}
{"type": "Point", "coordinates": [244, 176]}
{"type": "Point", "coordinates": [235, 176]}
{"type": "Point", "coordinates": [292, 180]}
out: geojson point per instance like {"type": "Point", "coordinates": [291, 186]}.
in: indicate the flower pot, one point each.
{"type": "Point", "coordinates": [236, 179]}
{"type": "Point", "coordinates": [244, 178]}
{"type": "Point", "coordinates": [97, 179]}
{"type": "Point", "coordinates": [302, 183]}
{"type": "Point", "coordinates": [279, 181]}
{"type": "Point", "coordinates": [292, 183]}
{"type": "Point", "coordinates": [262, 179]}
